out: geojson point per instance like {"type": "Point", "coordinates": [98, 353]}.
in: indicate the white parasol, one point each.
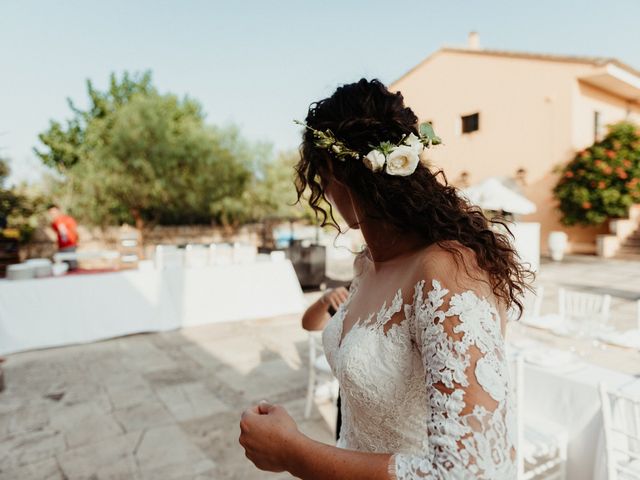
{"type": "Point", "coordinates": [492, 194]}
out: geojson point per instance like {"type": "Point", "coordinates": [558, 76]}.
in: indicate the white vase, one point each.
{"type": "Point", "coordinates": [557, 245]}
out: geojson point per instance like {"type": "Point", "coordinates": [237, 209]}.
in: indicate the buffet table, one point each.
{"type": "Point", "coordinates": [72, 309]}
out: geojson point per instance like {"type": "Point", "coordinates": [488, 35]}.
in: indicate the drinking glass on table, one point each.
{"type": "Point", "coordinates": [577, 328]}
{"type": "Point", "coordinates": [598, 325]}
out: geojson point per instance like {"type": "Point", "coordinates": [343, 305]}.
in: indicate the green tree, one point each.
{"type": "Point", "coordinates": [141, 157]}
{"type": "Point", "coordinates": [67, 143]}
{"type": "Point", "coordinates": [273, 194]}
{"type": "Point", "coordinates": [602, 181]}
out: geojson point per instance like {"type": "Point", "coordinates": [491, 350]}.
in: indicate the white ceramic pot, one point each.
{"type": "Point", "coordinates": [558, 241]}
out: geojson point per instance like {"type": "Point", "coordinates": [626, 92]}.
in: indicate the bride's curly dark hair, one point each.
{"type": "Point", "coordinates": [366, 113]}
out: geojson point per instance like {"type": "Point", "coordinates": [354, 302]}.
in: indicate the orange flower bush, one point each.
{"type": "Point", "coordinates": [602, 181]}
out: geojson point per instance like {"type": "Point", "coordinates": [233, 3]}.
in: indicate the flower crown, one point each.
{"type": "Point", "coordinates": [397, 159]}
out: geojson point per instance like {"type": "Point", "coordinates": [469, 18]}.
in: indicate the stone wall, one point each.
{"type": "Point", "coordinates": [43, 243]}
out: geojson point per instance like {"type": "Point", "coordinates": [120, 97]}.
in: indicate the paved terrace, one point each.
{"type": "Point", "coordinates": [166, 406]}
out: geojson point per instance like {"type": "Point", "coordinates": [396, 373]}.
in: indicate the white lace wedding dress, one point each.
{"type": "Point", "coordinates": [432, 390]}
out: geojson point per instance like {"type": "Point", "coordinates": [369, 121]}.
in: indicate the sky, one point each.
{"type": "Point", "coordinates": [258, 64]}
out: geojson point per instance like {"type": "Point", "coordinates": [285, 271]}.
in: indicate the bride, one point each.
{"type": "Point", "coordinates": [418, 346]}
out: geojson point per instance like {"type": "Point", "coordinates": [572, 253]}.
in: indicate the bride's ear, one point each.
{"type": "Point", "coordinates": [330, 172]}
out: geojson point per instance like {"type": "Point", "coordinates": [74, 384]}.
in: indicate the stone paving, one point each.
{"type": "Point", "coordinates": [167, 405]}
{"type": "Point", "coordinates": [152, 406]}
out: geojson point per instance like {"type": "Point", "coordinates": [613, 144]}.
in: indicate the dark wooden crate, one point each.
{"type": "Point", "coordinates": [9, 254]}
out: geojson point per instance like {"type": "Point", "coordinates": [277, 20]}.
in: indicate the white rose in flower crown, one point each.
{"type": "Point", "coordinates": [374, 160]}
{"type": "Point", "coordinates": [415, 143]}
{"type": "Point", "coordinates": [402, 161]}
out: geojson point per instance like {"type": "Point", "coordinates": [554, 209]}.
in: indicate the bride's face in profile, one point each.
{"type": "Point", "coordinates": [340, 198]}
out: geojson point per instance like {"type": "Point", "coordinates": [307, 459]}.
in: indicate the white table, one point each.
{"type": "Point", "coordinates": [88, 307]}
{"type": "Point", "coordinates": [570, 399]}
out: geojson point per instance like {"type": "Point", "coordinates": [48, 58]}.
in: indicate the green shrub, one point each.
{"type": "Point", "coordinates": [602, 181]}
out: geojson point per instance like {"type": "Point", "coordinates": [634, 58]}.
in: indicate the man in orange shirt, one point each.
{"type": "Point", "coordinates": [66, 229]}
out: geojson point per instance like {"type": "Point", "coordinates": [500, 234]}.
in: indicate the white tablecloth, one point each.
{"type": "Point", "coordinates": [84, 308]}
{"type": "Point", "coordinates": [571, 399]}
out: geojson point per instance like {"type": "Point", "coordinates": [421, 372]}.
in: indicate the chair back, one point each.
{"type": "Point", "coordinates": [316, 348]}
{"type": "Point", "coordinates": [168, 256]}
{"type": "Point", "coordinates": [583, 310]}
{"type": "Point", "coordinates": [196, 256]}
{"type": "Point", "coordinates": [552, 463]}
{"type": "Point", "coordinates": [516, 377]}
{"type": "Point", "coordinates": [220, 254]}
{"type": "Point", "coordinates": [621, 418]}
{"type": "Point", "coordinates": [532, 303]}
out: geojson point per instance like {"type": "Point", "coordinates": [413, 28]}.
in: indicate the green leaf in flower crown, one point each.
{"type": "Point", "coordinates": [426, 131]}
{"type": "Point", "coordinates": [386, 147]}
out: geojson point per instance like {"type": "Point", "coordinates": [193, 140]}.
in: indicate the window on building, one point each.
{"type": "Point", "coordinates": [597, 127]}
{"type": "Point", "coordinates": [470, 123]}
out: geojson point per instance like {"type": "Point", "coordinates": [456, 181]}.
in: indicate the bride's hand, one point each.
{"type": "Point", "coordinates": [267, 433]}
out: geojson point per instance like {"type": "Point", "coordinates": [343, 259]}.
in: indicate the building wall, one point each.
{"type": "Point", "coordinates": [527, 112]}
{"type": "Point", "coordinates": [588, 99]}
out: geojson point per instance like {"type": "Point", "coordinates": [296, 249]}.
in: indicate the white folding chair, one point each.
{"type": "Point", "coordinates": [196, 256]}
{"type": "Point", "coordinates": [532, 305]}
{"type": "Point", "coordinates": [621, 417]}
{"type": "Point", "coordinates": [542, 446]}
{"type": "Point", "coordinates": [244, 253]}
{"type": "Point", "coordinates": [583, 312]}
{"type": "Point", "coordinates": [318, 368]}
{"type": "Point", "coordinates": [168, 256]}
{"type": "Point", "coordinates": [220, 254]}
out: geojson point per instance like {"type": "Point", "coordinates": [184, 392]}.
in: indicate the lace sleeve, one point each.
{"type": "Point", "coordinates": [471, 424]}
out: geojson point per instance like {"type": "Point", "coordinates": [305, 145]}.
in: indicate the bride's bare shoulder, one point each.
{"type": "Point", "coordinates": [444, 254]}
{"type": "Point", "coordinates": [449, 262]}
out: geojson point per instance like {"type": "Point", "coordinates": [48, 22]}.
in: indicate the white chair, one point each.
{"type": "Point", "coordinates": [168, 256]}
{"type": "Point", "coordinates": [542, 445]}
{"type": "Point", "coordinates": [318, 368]}
{"type": "Point", "coordinates": [220, 254]}
{"type": "Point", "coordinates": [621, 418]}
{"type": "Point", "coordinates": [533, 301]}
{"type": "Point", "coordinates": [638, 314]}
{"type": "Point", "coordinates": [532, 304]}
{"type": "Point", "coordinates": [196, 256]}
{"type": "Point", "coordinates": [244, 253]}
{"type": "Point", "coordinates": [583, 313]}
